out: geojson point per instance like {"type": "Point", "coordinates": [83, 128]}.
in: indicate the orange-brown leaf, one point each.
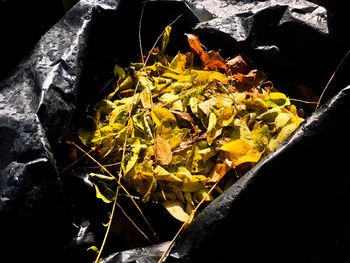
{"type": "Point", "coordinates": [220, 170]}
{"type": "Point", "coordinates": [238, 65]}
{"type": "Point", "coordinates": [194, 43]}
{"type": "Point", "coordinates": [211, 60]}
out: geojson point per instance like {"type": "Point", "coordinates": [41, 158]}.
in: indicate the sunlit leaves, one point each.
{"type": "Point", "coordinates": [182, 123]}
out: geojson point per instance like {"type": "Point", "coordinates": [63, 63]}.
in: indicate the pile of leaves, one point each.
{"type": "Point", "coordinates": [175, 126]}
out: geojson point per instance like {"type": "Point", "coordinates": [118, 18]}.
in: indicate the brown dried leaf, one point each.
{"type": "Point", "coordinates": [238, 65]}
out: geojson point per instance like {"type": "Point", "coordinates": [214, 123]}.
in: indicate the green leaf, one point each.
{"type": "Point", "coordinates": [119, 72]}
{"type": "Point", "coordinates": [270, 115]}
{"type": "Point", "coordinates": [277, 98]}
{"type": "Point", "coordinates": [282, 135]}
{"type": "Point", "coordinates": [261, 137]}
{"type": "Point", "coordinates": [281, 120]}
{"type": "Point", "coordinates": [168, 97]}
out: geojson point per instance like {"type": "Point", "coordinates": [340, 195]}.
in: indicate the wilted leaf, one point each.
{"type": "Point", "coordinates": [146, 98]}
{"type": "Point", "coordinates": [220, 170]}
{"type": "Point", "coordinates": [261, 137]}
{"type": "Point", "coordinates": [210, 60]}
{"type": "Point", "coordinates": [103, 107]}
{"type": "Point", "coordinates": [177, 137]}
{"type": "Point", "coordinates": [163, 151]}
{"type": "Point", "coordinates": [168, 97]}
{"type": "Point", "coordinates": [201, 194]}
{"type": "Point", "coordinates": [207, 105]}
{"type": "Point", "coordinates": [186, 125]}
{"type": "Point", "coordinates": [93, 248]}
{"type": "Point", "coordinates": [238, 65]}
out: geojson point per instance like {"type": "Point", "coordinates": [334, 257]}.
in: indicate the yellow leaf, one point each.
{"type": "Point", "coordinates": [166, 37]}
{"type": "Point", "coordinates": [164, 120]}
{"type": "Point", "coordinates": [177, 137]}
{"type": "Point", "coordinates": [214, 130]}
{"type": "Point", "coordinates": [205, 76]}
{"type": "Point", "coordinates": [241, 152]}
{"type": "Point", "coordinates": [201, 194]}
{"type": "Point", "coordinates": [178, 63]}
{"type": "Point", "coordinates": [161, 174]}
{"type": "Point", "coordinates": [194, 184]}
{"type": "Point", "coordinates": [163, 115]}
{"type": "Point", "coordinates": [146, 99]}
{"type": "Point", "coordinates": [176, 209]}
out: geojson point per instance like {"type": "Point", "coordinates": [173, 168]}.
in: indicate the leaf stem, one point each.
{"type": "Point", "coordinates": [108, 227]}
{"type": "Point", "coordinates": [330, 80]}
{"type": "Point", "coordinates": [121, 186]}
{"type": "Point", "coordinates": [303, 101]}
{"type": "Point", "coordinates": [134, 224]}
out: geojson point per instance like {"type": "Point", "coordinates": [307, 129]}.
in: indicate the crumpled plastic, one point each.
{"type": "Point", "coordinates": [291, 207]}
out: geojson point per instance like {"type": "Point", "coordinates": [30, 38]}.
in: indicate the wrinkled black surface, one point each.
{"type": "Point", "coordinates": [22, 23]}
{"type": "Point", "coordinates": [292, 207]}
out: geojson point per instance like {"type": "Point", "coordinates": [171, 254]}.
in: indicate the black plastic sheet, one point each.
{"type": "Point", "coordinates": [292, 207]}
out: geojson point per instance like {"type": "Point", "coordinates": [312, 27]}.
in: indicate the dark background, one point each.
{"type": "Point", "coordinates": [23, 22]}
